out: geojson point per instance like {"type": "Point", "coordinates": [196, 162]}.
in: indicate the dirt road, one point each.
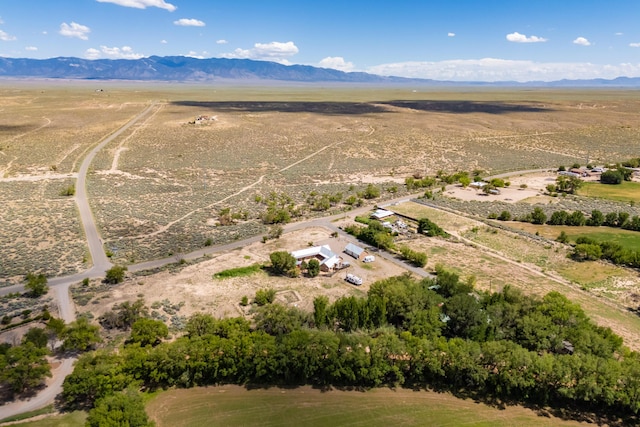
{"type": "Point", "coordinates": [60, 286]}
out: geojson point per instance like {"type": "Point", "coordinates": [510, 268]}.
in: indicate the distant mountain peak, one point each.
{"type": "Point", "coordinates": [184, 68]}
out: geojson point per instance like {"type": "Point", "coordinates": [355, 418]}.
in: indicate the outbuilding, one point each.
{"type": "Point", "coordinates": [354, 250]}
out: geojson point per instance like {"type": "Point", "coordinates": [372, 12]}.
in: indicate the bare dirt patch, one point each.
{"type": "Point", "coordinates": [195, 287]}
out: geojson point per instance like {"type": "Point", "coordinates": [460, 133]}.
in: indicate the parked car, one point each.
{"type": "Point", "coordinates": [369, 258]}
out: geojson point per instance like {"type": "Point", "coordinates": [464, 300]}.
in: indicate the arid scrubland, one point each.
{"type": "Point", "coordinates": [157, 189]}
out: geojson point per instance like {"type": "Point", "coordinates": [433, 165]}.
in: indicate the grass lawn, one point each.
{"type": "Point", "coordinates": [304, 406]}
{"type": "Point", "coordinates": [72, 419]}
{"type": "Point", "coordinates": [626, 238]}
{"type": "Point", "coordinates": [238, 272]}
{"type": "Point", "coordinates": [625, 192]}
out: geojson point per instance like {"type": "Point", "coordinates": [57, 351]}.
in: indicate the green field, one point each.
{"type": "Point", "coordinates": [72, 419]}
{"type": "Point", "coordinates": [304, 406]}
{"type": "Point", "coordinates": [625, 192]}
{"type": "Point", "coordinates": [626, 238]}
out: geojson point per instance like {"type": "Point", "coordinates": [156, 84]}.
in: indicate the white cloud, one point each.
{"type": "Point", "coordinates": [75, 30]}
{"type": "Point", "coordinates": [194, 54]}
{"type": "Point", "coordinates": [185, 22]}
{"type": "Point", "coordinates": [493, 70]}
{"type": "Point", "coordinates": [451, 34]}
{"type": "Point", "coordinates": [619, 34]}
{"type": "Point", "coordinates": [634, 44]}
{"type": "Point", "coordinates": [516, 37]}
{"type": "Point", "coordinates": [31, 48]}
{"type": "Point", "coordinates": [221, 41]}
{"type": "Point", "coordinates": [337, 63]}
{"type": "Point", "coordinates": [582, 41]}
{"type": "Point", "coordinates": [124, 52]}
{"type": "Point", "coordinates": [6, 37]}
{"type": "Point", "coordinates": [274, 51]}
{"type": "Point", "coordinates": [142, 4]}
{"type": "Point", "coordinates": [163, 42]}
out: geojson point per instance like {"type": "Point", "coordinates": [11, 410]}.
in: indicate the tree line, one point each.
{"type": "Point", "coordinates": [433, 333]}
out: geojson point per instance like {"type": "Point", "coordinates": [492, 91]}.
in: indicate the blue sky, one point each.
{"type": "Point", "coordinates": [487, 40]}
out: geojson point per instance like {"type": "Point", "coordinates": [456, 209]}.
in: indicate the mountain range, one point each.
{"type": "Point", "coordinates": [180, 68]}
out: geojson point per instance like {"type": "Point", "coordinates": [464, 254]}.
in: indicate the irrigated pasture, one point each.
{"type": "Point", "coordinates": [305, 406]}
{"type": "Point", "coordinates": [157, 189]}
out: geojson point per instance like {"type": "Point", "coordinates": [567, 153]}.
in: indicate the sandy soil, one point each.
{"type": "Point", "coordinates": [195, 287]}
{"type": "Point", "coordinates": [536, 184]}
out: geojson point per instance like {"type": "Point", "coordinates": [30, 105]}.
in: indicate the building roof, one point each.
{"type": "Point", "coordinates": [381, 213]}
{"type": "Point", "coordinates": [354, 249]}
{"type": "Point", "coordinates": [329, 258]}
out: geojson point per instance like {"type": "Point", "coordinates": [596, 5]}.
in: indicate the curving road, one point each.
{"type": "Point", "coordinates": [60, 285]}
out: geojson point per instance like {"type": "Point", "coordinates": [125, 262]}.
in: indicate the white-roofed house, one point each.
{"type": "Point", "coordinates": [329, 260]}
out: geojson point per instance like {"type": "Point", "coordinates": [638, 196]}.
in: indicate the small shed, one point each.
{"type": "Point", "coordinates": [354, 250]}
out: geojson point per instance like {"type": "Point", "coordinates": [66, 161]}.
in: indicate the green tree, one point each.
{"type": "Point", "coordinates": [96, 375]}
{"type": "Point", "coordinates": [563, 237]}
{"type": "Point", "coordinates": [123, 315]}
{"type": "Point", "coordinates": [265, 296]}
{"type": "Point", "coordinates": [466, 318]}
{"type": "Point", "coordinates": [568, 184]}
{"type": "Point", "coordinates": [371, 192]}
{"type": "Point", "coordinates": [36, 285]}
{"type": "Point", "coordinates": [320, 311]}
{"type": "Point", "coordinates": [122, 409]}
{"type": "Point", "coordinates": [611, 219]}
{"type": "Point", "coordinates": [283, 263]}
{"type": "Point", "coordinates": [596, 219]}
{"type": "Point", "coordinates": [37, 337]}
{"type": "Point", "coordinates": [504, 216]}
{"type": "Point", "coordinates": [576, 219]}
{"type": "Point", "coordinates": [200, 324]}
{"type": "Point", "coordinates": [431, 229]}
{"type": "Point", "coordinates": [277, 320]}
{"type": "Point", "coordinates": [612, 176]}
{"type": "Point", "coordinates": [313, 267]}
{"type": "Point", "coordinates": [24, 367]}
{"type": "Point", "coordinates": [558, 218]}
{"type": "Point", "coordinates": [148, 332]}
{"type": "Point", "coordinates": [464, 180]}
{"type": "Point", "coordinates": [587, 252]}
{"type": "Point", "coordinates": [80, 335]}
{"type": "Point", "coordinates": [538, 216]}
{"type": "Point", "coordinates": [115, 274]}
{"type": "Point", "coordinates": [54, 330]}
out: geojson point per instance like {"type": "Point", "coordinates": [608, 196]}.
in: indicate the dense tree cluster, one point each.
{"type": "Point", "coordinates": [419, 259]}
{"type": "Point", "coordinates": [436, 333]}
{"type": "Point", "coordinates": [576, 218]}
{"type": "Point", "coordinates": [430, 228]}
{"type": "Point", "coordinates": [23, 367]}
{"type": "Point", "coordinates": [589, 249]}
{"type": "Point", "coordinates": [374, 234]}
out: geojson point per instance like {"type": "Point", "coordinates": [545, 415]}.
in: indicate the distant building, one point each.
{"type": "Point", "coordinates": [355, 251]}
{"type": "Point", "coordinates": [329, 261]}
